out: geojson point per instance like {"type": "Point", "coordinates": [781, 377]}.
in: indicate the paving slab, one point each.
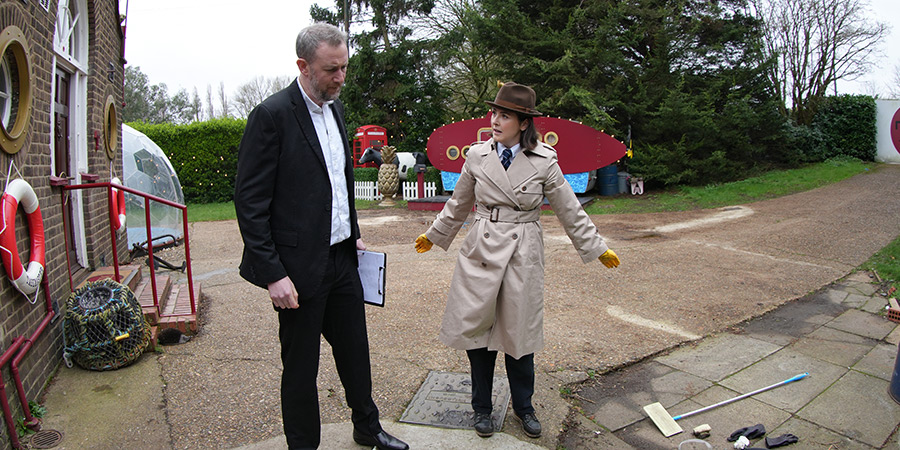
{"type": "Point", "coordinates": [855, 300]}
{"type": "Point", "coordinates": [863, 324]}
{"type": "Point", "coordinates": [782, 366]}
{"type": "Point", "coordinates": [875, 305]}
{"type": "Point", "coordinates": [894, 441]}
{"type": "Point", "coordinates": [854, 286]}
{"type": "Point", "coordinates": [645, 436]}
{"type": "Point", "coordinates": [879, 362]}
{"type": "Point", "coordinates": [835, 346]}
{"type": "Point", "coordinates": [624, 394]}
{"type": "Point", "coordinates": [793, 320]}
{"type": "Point", "coordinates": [894, 337]}
{"type": "Point", "coordinates": [857, 406]}
{"type": "Point", "coordinates": [814, 437]}
{"type": "Point", "coordinates": [832, 295]}
{"type": "Point", "coordinates": [716, 357]}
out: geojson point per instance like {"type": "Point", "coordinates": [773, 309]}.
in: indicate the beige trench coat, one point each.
{"type": "Point", "coordinates": [496, 297]}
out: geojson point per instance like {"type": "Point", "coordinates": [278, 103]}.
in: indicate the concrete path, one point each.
{"type": "Point", "coordinates": [686, 281]}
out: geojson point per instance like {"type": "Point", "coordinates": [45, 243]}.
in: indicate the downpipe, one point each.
{"type": "Point", "coordinates": [32, 423]}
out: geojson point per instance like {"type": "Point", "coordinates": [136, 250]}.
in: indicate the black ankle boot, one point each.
{"type": "Point", "coordinates": [484, 426]}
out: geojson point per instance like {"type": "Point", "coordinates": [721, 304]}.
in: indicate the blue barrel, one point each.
{"type": "Point", "coordinates": [894, 388]}
{"type": "Point", "coordinates": [609, 180]}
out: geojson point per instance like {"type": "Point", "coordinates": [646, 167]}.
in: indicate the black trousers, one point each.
{"type": "Point", "coordinates": [520, 373]}
{"type": "Point", "coordinates": [336, 312]}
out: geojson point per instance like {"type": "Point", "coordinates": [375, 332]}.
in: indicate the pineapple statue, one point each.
{"type": "Point", "coordinates": [388, 177]}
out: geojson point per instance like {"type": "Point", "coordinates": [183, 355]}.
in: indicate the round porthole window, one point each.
{"type": "Point", "coordinates": [110, 128]}
{"type": "Point", "coordinates": [452, 152]}
{"type": "Point", "coordinates": [551, 138]}
{"type": "Point", "coordinates": [15, 89]}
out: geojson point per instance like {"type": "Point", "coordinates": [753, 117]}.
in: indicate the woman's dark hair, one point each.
{"type": "Point", "coordinates": [529, 137]}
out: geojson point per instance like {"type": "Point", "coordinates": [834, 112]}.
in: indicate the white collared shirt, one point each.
{"type": "Point", "coordinates": [514, 149]}
{"type": "Point", "coordinates": [335, 159]}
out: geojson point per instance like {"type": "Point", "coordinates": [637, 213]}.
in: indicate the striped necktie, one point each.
{"type": "Point", "coordinates": [506, 158]}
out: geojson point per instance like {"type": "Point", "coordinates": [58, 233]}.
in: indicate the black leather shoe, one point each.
{"type": "Point", "coordinates": [381, 441]}
{"type": "Point", "coordinates": [530, 424]}
{"type": "Point", "coordinates": [484, 426]}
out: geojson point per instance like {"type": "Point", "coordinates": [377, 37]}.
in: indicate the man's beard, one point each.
{"type": "Point", "coordinates": [322, 93]}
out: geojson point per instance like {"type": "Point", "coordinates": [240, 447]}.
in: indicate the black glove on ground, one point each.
{"type": "Point", "coordinates": [784, 439]}
{"type": "Point", "coordinates": [753, 432]}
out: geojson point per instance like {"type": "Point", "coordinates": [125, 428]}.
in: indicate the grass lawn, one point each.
{"type": "Point", "coordinates": [769, 185]}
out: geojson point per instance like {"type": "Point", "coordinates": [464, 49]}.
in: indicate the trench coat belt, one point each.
{"type": "Point", "coordinates": [506, 214]}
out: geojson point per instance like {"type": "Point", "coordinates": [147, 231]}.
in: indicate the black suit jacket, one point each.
{"type": "Point", "coordinates": [283, 194]}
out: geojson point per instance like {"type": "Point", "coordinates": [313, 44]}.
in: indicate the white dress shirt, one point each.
{"type": "Point", "coordinates": [335, 158]}
{"type": "Point", "coordinates": [514, 149]}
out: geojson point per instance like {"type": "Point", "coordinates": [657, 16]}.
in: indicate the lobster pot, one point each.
{"type": "Point", "coordinates": [104, 327]}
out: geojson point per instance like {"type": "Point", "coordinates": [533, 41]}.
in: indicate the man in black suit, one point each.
{"type": "Point", "coordinates": [294, 202]}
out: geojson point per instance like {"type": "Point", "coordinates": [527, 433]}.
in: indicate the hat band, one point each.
{"type": "Point", "coordinates": [511, 106]}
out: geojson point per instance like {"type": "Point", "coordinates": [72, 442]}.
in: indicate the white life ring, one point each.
{"type": "Point", "coordinates": [26, 281]}
{"type": "Point", "coordinates": [117, 214]}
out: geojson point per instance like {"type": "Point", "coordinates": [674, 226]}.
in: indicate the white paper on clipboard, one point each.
{"type": "Point", "coordinates": [372, 275]}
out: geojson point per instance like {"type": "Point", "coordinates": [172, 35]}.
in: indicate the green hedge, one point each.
{"type": "Point", "coordinates": [846, 124]}
{"type": "Point", "coordinates": [365, 174]}
{"type": "Point", "coordinates": [204, 155]}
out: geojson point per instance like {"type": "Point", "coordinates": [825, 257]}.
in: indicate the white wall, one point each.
{"type": "Point", "coordinates": [887, 122]}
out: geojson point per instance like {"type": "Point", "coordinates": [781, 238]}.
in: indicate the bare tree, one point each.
{"type": "Point", "coordinates": [223, 100]}
{"type": "Point", "coordinates": [894, 83]}
{"type": "Point", "coordinates": [463, 67]}
{"type": "Point", "coordinates": [253, 92]}
{"type": "Point", "coordinates": [210, 110]}
{"type": "Point", "coordinates": [813, 44]}
{"type": "Point", "coordinates": [198, 106]}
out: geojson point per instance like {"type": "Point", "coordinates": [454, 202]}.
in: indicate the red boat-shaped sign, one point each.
{"type": "Point", "coordinates": [579, 147]}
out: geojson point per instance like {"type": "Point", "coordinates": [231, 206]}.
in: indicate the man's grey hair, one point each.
{"type": "Point", "coordinates": [309, 38]}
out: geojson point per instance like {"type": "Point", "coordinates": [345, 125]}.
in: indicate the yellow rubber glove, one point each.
{"type": "Point", "coordinates": [423, 244]}
{"type": "Point", "coordinates": [609, 259]}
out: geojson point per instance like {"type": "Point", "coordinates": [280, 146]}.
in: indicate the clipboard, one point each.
{"type": "Point", "coordinates": [372, 267]}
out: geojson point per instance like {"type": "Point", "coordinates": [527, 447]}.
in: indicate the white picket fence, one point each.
{"type": "Point", "coordinates": [368, 190]}
{"type": "Point", "coordinates": [411, 189]}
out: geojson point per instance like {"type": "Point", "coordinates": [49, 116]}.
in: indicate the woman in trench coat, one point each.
{"type": "Point", "coordinates": [496, 297]}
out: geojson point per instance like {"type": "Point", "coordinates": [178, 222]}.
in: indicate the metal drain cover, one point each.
{"type": "Point", "coordinates": [46, 439]}
{"type": "Point", "coordinates": [445, 400]}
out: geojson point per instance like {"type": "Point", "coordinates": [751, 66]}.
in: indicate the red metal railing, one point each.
{"type": "Point", "coordinates": [115, 254]}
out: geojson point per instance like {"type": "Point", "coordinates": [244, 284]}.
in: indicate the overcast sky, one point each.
{"type": "Point", "coordinates": [195, 43]}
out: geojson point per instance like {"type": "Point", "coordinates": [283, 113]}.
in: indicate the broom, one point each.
{"type": "Point", "coordinates": [667, 425]}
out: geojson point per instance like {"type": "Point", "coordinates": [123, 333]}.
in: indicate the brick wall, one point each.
{"type": "Point", "coordinates": [18, 317]}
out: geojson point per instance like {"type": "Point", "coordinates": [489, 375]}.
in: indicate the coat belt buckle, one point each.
{"type": "Point", "coordinates": [495, 214]}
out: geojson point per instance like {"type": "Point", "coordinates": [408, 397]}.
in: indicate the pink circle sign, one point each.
{"type": "Point", "coordinates": [895, 130]}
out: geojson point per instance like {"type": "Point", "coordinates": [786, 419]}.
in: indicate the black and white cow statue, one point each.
{"type": "Point", "coordinates": [404, 160]}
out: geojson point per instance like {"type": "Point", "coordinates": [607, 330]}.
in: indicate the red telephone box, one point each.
{"type": "Point", "coordinates": [368, 136]}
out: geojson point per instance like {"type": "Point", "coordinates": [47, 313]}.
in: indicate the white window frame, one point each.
{"type": "Point", "coordinates": [70, 45]}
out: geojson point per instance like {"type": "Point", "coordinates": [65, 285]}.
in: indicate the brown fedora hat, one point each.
{"type": "Point", "coordinates": [517, 98]}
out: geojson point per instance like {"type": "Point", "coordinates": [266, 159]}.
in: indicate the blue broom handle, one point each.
{"type": "Point", "coordinates": [789, 380]}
